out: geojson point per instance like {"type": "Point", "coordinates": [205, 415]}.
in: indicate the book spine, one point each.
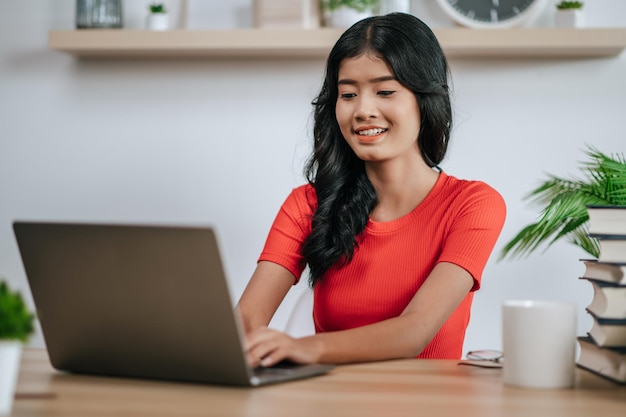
{"type": "Point", "coordinates": [609, 322]}
{"type": "Point", "coordinates": [604, 284]}
{"type": "Point", "coordinates": [589, 340]}
{"type": "Point", "coordinates": [607, 236]}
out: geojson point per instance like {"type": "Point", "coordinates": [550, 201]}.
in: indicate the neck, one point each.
{"type": "Point", "coordinates": [400, 187]}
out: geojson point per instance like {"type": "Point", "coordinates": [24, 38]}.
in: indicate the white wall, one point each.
{"type": "Point", "coordinates": [223, 141]}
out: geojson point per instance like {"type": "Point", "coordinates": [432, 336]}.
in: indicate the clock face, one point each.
{"type": "Point", "coordinates": [491, 13]}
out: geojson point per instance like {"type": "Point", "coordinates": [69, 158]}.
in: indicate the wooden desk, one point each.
{"type": "Point", "coordinates": [394, 388]}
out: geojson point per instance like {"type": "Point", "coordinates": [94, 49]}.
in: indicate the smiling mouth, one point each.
{"type": "Point", "coordinates": [371, 132]}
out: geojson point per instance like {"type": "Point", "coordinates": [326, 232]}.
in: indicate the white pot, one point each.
{"type": "Point", "coordinates": [570, 18]}
{"type": "Point", "coordinates": [344, 17]}
{"type": "Point", "coordinates": [158, 21]}
{"type": "Point", "coordinates": [10, 354]}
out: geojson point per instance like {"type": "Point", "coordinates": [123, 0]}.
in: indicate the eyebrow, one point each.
{"type": "Point", "coordinates": [347, 81]}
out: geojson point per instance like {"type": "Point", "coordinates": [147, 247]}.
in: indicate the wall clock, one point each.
{"type": "Point", "coordinates": [492, 13]}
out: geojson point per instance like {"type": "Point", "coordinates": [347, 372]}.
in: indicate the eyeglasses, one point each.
{"type": "Point", "coordinates": [485, 355]}
{"type": "Point", "coordinates": [484, 358]}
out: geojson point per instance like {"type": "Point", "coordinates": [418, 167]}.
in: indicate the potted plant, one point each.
{"type": "Point", "coordinates": [564, 201]}
{"type": "Point", "coordinates": [569, 14]}
{"type": "Point", "coordinates": [344, 13]}
{"type": "Point", "coordinates": [158, 19]}
{"type": "Point", "coordinates": [16, 326]}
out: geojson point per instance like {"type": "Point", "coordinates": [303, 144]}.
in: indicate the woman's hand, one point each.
{"type": "Point", "coordinates": [266, 347]}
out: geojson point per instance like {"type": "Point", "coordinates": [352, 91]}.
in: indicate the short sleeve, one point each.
{"type": "Point", "coordinates": [290, 229]}
{"type": "Point", "coordinates": [477, 216]}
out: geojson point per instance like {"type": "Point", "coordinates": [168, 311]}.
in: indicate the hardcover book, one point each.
{"type": "Point", "coordinates": [608, 332]}
{"type": "Point", "coordinates": [612, 248]}
{"type": "Point", "coordinates": [609, 363]}
{"type": "Point", "coordinates": [614, 273]}
{"type": "Point", "coordinates": [607, 220]}
{"type": "Point", "coordinates": [603, 350]}
{"type": "Point", "coordinates": [609, 300]}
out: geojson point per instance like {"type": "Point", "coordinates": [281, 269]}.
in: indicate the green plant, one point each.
{"type": "Point", "coordinates": [16, 321]}
{"type": "Point", "coordinates": [358, 5]}
{"type": "Point", "coordinates": [157, 8]}
{"type": "Point", "coordinates": [565, 202]}
{"type": "Point", "coordinates": [568, 5]}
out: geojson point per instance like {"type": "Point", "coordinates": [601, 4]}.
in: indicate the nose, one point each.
{"type": "Point", "coordinates": [366, 108]}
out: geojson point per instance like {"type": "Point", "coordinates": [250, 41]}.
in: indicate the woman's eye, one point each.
{"type": "Point", "coordinates": [385, 93]}
{"type": "Point", "coordinates": [347, 95]}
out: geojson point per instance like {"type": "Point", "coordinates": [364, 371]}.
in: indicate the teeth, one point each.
{"type": "Point", "coordinates": [371, 132]}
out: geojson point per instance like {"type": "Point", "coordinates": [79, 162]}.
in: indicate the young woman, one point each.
{"type": "Point", "coordinates": [395, 246]}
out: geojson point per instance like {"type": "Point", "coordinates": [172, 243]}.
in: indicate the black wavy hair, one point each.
{"type": "Point", "coordinates": [345, 195]}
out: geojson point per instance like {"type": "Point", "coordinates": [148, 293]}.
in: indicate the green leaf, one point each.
{"type": "Point", "coordinates": [16, 321]}
{"type": "Point", "coordinates": [568, 5]}
{"type": "Point", "coordinates": [564, 201]}
{"type": "Point", "coordinates": [358, 5]}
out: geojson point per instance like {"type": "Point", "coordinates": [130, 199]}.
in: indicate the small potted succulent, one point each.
{"type": "Point", "coordinates": [344, 13]}
{"type": "Point", "coordinates": [569, 14]}
{"type": "Point", "coordinates": [16, 326]}
{"type": "Point", "coordinates": [158, 19]}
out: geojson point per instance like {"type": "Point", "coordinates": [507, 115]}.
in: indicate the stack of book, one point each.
{"type": "Point", "coordinates": [603, 350]}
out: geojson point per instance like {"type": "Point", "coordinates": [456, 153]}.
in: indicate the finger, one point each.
{"type": "Point", "coordinates": [258, 343]}
{"type": "Point", "coordinates": [278, 354]}
{"type": "Point", "coordinates": [252, 361]}
{"type": "Point", "coordinates": [271, 350]}
{"type": "Point", "coordinates": [267, 361]}
{"type": "Point", "coordinates": [266, 354]}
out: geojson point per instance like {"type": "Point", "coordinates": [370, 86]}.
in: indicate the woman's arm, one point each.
{"type": "Point", "coordinates": [403, 336]}
{"type": "Point", "coordinates": [267, 288]}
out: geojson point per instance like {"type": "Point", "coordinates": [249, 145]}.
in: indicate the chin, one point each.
{"type": "Point", "coordinates": [368, 157]}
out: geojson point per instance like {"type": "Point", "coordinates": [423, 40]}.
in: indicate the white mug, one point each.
{"type": "Point", "coordinates": [539, 343]}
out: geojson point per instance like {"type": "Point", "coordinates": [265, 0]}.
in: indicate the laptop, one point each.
{"type": "Point", "coordinates": [139, 301]}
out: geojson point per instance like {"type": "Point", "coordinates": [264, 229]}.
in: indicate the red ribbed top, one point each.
{"type": "Point", "coordinates": [458, 222]}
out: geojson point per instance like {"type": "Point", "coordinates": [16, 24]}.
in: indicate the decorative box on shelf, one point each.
{"type": "Point", "coordinates": [294, 14]}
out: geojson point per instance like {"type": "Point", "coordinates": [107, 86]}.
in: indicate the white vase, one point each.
{"type": "Point", "coordinates": [158, 21]}
{"type": "Point", "coordinates": [573, 18]}
{"type": "Point", "coordinates": [390, 6]}
{"type": "Point", "coordinates": [10, 354]}
{"type": "Point", "coordinates": [344, 17]}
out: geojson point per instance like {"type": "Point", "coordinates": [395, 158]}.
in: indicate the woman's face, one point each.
{"type": "Point", "coordinates": [378, 116]}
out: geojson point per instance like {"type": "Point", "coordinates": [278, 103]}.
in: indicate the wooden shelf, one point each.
{"type": "Point", "coordinates": [303, 43]}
